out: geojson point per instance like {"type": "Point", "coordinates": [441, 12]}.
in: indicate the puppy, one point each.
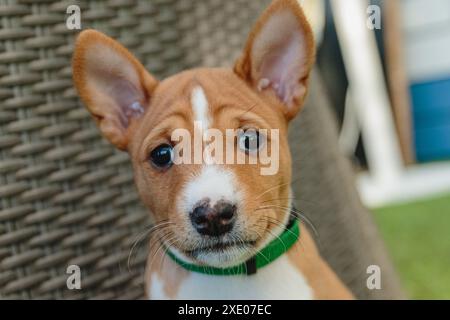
{"type": "Point", "coordinates": [223, 229]}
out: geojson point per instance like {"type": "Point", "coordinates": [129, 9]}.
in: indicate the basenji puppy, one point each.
{"type": "Point", "coordinates": [222, 230]}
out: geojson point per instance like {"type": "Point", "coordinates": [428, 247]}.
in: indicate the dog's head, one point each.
{"type": "Point", "coordinates": [211, 208]}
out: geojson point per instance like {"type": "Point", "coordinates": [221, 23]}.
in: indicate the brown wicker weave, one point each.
{"type": "Point", "coordinates": [66, 196]}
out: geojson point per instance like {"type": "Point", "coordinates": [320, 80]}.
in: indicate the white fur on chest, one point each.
{"type": "Point", "coordinates": [278, 281]}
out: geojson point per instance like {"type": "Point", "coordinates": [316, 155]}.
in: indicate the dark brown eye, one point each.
{"type": "Point", "coordinates": [162, 156]}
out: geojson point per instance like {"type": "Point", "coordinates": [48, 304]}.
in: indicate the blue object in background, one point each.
{"type": "Point", "coordinates": [431, 115]}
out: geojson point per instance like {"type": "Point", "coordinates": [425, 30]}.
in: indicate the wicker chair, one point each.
{"type": "Point", "coordinates": [67, 197]}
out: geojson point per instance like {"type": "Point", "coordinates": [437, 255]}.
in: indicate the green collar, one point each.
{"type": "Point", "coordinates": [267, 255]}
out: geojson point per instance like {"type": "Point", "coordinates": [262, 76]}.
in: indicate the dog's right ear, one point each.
{"type": "Point", "coordinates": [112, 83]}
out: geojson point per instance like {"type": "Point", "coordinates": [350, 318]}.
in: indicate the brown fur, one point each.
{"type": "Point", "coordinates": [234, 103]}
{"type": "Point", "coordinates": [171, 274]}
{"type": "Point", "coordinates": [325, 283]}
{"type": "Point", "coordinates": [238, 102]}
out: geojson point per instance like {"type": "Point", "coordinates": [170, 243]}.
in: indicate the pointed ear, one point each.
{"type": "Point", "coordinates": [112, 83]}
{"type": "Point", "coordinates": [279, 55]}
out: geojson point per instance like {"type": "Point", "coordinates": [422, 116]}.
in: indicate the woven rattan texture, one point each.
{"type": "Point", "coordinates": [67, 197]}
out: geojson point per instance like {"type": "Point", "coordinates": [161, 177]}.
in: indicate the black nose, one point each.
{"type": "Point", "coordinates": [213, 221]}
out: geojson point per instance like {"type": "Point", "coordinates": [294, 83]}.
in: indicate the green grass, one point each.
{"type": "Point", "coordinates": [418, 238]}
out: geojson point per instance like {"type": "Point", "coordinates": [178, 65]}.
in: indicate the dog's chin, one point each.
{"type": "Point", "coordinates": [225, 257]}
{"type": "Point", "coordinates": [219, 254]}
{"type": "Point", "coordinates": [224, 253]}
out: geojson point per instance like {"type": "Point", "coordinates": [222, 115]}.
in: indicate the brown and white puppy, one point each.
{"type": "Point", "coordinates": [246, 210]}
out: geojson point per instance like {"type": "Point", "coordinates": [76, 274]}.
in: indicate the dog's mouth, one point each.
{"type": "Point", "coordinates": [227, 250]}
{"type": "Point", "coordinates": [220, 247]}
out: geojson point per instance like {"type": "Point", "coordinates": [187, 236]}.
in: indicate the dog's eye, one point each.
{"type": "Point", "coordinates": [162, 156]}
{"type": "Point", "coordinates": [250, 140]}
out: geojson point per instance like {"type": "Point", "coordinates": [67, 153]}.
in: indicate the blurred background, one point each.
{"type": "Point", "coordinates": [391, 91]}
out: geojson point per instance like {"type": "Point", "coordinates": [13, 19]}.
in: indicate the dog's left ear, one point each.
{"type": "Point", "coordinates": [279, 55]}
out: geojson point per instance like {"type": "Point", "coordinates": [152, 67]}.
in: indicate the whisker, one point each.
{"type": "Point", "coordinates": [272, 188]}
{"type": "Point", "coordinates": [278, 223]}
{"type": "Point", "coordinates": [278, 186]}
{"type": "Point", "coordinates": [274, 220]}
{"type": "Point", "coordinates": [255, 252]}
{"type": "Point", "coordinates": [162, 245]}
{"type": "Point", "coordinates": [277, 237]}
{"type": "Point", "coordinates": [167, 244]}
{"type": "Point", "coordinates": [141, 236]}
{"type": "Point", "coordinates": [298, 215]}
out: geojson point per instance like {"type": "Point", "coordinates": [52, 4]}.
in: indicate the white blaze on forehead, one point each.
{"type": "Point", "coordinates": [200, 106]}
{"type": "Point", "coordinates": [213, 183]}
